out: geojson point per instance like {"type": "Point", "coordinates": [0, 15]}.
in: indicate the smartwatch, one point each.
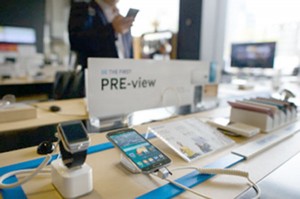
{"type": "Point", "coordinates": [73, 144]}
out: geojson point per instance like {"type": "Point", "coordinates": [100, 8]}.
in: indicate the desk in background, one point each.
{"type": "Point", "coordinates": [31, 87]}
{"type": "Point", "coordinates": [25, 89]}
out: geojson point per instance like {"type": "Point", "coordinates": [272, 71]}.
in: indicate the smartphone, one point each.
{"type": "Point", "coordinates": [132, 12]}
{"type": "Point", "coordinates": [145, 156]}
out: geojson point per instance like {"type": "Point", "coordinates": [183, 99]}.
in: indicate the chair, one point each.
{"type": "Point", "coordinates": [68, 84]}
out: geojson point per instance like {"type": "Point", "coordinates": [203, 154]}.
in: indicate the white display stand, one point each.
{"type": "Point", "coordinates": [71, 183]}
{"type": "Point", "coordinates": [129, 165]}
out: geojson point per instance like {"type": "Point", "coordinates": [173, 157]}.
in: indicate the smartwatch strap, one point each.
{"type": "Point", "coordinates": [71, 160]}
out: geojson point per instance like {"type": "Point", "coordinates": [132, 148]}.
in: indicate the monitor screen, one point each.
{"type": "Point", "coordinates": [253, 55]}
{"type": "Point", "coordinates": [17, 35]}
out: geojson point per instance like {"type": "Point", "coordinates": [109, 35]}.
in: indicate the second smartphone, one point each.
{"type": "Point", "coordinates": [145, 156]}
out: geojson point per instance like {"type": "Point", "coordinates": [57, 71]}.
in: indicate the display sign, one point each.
{"type": "Point", "coordinates": [120, 86]}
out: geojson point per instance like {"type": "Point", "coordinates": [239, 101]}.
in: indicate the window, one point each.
{"type": "Point", "coordinates": [266, 20]}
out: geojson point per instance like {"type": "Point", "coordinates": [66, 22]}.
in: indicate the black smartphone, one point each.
{"type": "Point", "coordinates": [132, 12]}
{"type": "Point", "coordinates": [145, 156]}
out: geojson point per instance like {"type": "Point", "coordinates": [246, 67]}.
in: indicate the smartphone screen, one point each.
{"type": "Point", "coordinates": [132, 12]}
{"type": "Point", "coordinates": [139, 150]}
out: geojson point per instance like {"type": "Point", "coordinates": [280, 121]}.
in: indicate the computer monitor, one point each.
{"type": "Point", "coordinates": [253, 55]}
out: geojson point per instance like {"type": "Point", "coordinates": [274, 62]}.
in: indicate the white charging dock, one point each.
{"type": "Point", "coordinates": [128, 164]}
{"type": "Point", "coordinates": [71, 183]}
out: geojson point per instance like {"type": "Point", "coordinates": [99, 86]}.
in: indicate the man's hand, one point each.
{"type": "Point", "coordinates": [122, 24]}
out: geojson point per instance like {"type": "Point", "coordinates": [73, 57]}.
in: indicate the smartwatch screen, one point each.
{"type": "Point", "coordinates": [74, 132]}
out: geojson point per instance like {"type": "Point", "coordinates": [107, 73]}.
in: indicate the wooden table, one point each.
{"type": "Point", "coordinates": [111, 180]}
{"type": "Point", "coordinates": [73, 109]}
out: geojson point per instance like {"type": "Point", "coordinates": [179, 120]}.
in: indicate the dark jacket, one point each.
{"type": "Point", "coordinates": [91, 35]}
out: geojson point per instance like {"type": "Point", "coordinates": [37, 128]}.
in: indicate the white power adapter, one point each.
{"type": "Point", "coordinates": [71, 183]}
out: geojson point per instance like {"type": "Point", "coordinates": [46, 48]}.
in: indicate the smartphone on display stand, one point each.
{"type": "Point", "coordinates": [132, 12]}
{"type": "Point", "coordinates": [138, 150]}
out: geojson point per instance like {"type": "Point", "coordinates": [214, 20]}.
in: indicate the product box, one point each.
{"type": "Point", "coordinates": [17, 112]}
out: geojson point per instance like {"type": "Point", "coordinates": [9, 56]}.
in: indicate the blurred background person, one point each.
{"type": "Point", "coordinates": [96, 29]}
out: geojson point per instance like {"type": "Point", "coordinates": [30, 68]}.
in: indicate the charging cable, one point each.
{"type": "Point", "coordinates": [33, 172]}
{"type": "Point", "coordinates": [161, 173]}
{"type": "Point", "coordinates": [164, 173]}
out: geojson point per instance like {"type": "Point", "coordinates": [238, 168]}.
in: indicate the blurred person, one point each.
{"type": "Point", "coordinates": [96, 29]}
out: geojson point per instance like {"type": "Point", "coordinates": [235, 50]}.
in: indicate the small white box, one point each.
{"type": "Point", "coordinates": [71, 183]}
{"type": "Point", "coordinates": [261, 120]}
{"type": "Point", "coordinates": [17, 112]}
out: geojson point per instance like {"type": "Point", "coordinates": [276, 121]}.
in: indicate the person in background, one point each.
{"type": "Point", "coordinates": [96, 29]}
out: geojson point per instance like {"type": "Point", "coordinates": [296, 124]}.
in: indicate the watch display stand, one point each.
{"type": "Point", "coordinates": [71, 183]}
{"type": "Point", "coordinates": [129, 165]}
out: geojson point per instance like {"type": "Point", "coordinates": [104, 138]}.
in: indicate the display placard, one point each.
{"type": "Point", "coordinates": [121, 86]}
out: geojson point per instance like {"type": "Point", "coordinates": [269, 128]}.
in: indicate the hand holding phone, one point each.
{"type": "Point", "coordinates": [132, 12]}
{"type": "Point", "coordinates": [122, 24]}
{"type": "Point", "coordinates": [138, 150]}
